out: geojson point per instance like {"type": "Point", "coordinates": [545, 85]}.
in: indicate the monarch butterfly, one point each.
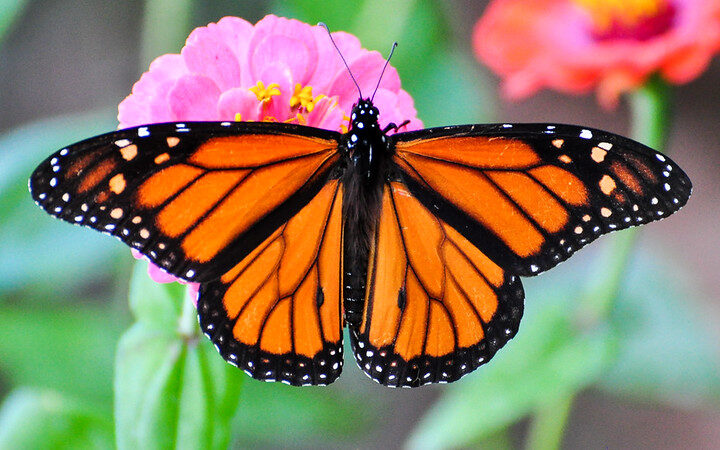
{"type": "Point", "coordinates": [414, 240]}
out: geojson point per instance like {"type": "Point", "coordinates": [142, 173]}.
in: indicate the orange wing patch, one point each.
{"type": "Point", "coordinates": [486, 151]}
{"type": "Point", "coordinates": [531, 201]}
{"type": "Point", "coordinates": [245, 150]}
{"type": "Point", "coordinates": [436, 307]}
{"type": "Point", "coordinates": [519, 203]}
{"type": "Point", "coordinates": [191, 197]}
{"type": "Point", "coordinates": [277, 313]}
{"type": "Point", "coordinates": [253, 197]}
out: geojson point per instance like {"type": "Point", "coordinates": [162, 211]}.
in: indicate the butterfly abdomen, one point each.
{"type": "Point", "coordinates": [366, 155]}
{"type": "Point", "coordinates": [361, 208]}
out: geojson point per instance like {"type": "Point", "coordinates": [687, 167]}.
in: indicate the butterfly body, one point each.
{"type": "Point", "coordinates": [414, 240]}
{"type": "Point", "coordinates": [366, 153]}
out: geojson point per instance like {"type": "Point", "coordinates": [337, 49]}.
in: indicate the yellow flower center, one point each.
{"type": "Point", "coordinates": [625, 13]}
{"type": "Point", "coordinates": [265, 94]}
{"type": "Point", "coordinates": [302, 103]}
{"type": "Point", "coordinates": [303, 97]}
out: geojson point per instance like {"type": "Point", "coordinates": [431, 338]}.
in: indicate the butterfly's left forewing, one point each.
{"type": "Point", "coordinates": [192, 197]}
{"type": "Point", "coordinates": [436, 307]}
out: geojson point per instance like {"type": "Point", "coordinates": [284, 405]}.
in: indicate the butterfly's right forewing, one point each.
{"type": "Point", "coordinates": [530, 195]}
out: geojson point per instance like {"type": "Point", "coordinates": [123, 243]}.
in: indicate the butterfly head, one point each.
{"type": "Point", "coordinates": [365, 142]}
{"type": "Point", "coordinates": [364, 119]}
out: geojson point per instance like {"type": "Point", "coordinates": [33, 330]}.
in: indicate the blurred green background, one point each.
{"type": "Point", "coordinates": [648, 378]}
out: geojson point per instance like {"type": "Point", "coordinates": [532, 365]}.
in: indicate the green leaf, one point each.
{"type": "Point", "coordinates": [148, 372]}
{"type": "Point", "coordinates": [668, 352]}
{"type": "Point", "coordinates": [172, 389]}
{"type": "Point", "coordinates": [226, 383]}
{"type": "Point", "coordinates": [32, 419]}
{"type": "Point", "coordinates": [157, 305]}
{"type": "Point", "coordinates": [549, 359]}
{"type": "Point", "coordinates": [10, 11]}
{"type": "Point", "coordinates": [48, 252]}
{"type": "Point", "coordinates": [67, 348]}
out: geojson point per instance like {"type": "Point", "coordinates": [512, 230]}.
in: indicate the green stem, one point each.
{"type": "Point", "coordinates": [650, 112]}
{"type": "Point", "coordinates": [650, 109]}
{"type": "Point", "coordinates": [547, 429]}
{"type": "Point", "coordinates": [188, 324]}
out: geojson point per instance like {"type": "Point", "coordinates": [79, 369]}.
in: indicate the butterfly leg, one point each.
{"type": "Point", "coordinates": [392, 126]}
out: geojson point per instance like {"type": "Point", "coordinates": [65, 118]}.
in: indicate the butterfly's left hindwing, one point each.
{"type": "Point", "coordinates": [530, 195]}
{"type": "Point", "coordinates": [277, 313]}
{"type": "Point", "coordinates": [436, 307]}
{"type": "Point", "coordinates": [192, 197]}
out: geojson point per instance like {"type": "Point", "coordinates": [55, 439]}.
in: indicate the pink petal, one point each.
{"type": "Point", "coordinates": [283, 42]}
{"type": "Point", "coordinates": [194, 97]}
{"type": "Point", "coordinates": [567, 56]}
{"type": "Point", "coordinates": [148, 102]}
{"type": "Point", "coordinates": [207, 52]}
{"type": "Point", "coordinates": [326, 115]}
{"type": "Point", "coordinates": [159, 275]}
{"type": "Point", "coordinates": [395, 110]}
{"type": "Point", "coordinates": [279, 106]}
{"type": "Point", "coordinates": [291, 55]}
{"type": "Point", "coordinates": [366, 69]}
{"type": "Point", "coordinates": [193, 291]}
{"type": "Point", "coordinates": [406, 107]}
{"type": "Point", "coordinates": [156, 273]}
{"type": "Point", "coordinates": [687, 65]}
{"type": "Point", "coordinates": [328, 58]}
{"type": "Point", "coordinates": [238, 100]}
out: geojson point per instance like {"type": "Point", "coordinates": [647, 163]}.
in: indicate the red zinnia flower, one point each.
{"type": "Point", "coordinates": [611, 46]}
{"type": "Point", "coordinates": [277, 70]}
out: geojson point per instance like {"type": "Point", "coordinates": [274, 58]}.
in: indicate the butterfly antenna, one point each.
{"type": "Point", "coordinates": [321, 24]}
{"type": "Point", "coordinates": [387, 61]}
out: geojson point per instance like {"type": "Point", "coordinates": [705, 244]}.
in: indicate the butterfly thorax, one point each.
{"type": "Point", "coordinates": [366, 152]}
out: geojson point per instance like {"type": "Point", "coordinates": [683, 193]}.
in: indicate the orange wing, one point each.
{"type": "Point", "coordinates": [276, 314]}
{"type": "Point", "coordinates": [530, 195]}
{"type": "Point", "coordinates": [192, 197]}
{"type": "Point", "coordinates": [436, 307]}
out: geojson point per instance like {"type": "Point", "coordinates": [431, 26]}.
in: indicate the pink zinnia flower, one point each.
{"type": "Point", "coordinates": [611, 46]}
{"type": "Point", "coordinates": [277, 70]}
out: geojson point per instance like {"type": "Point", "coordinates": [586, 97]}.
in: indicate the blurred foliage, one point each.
{"type": "Point", "coordinates": [37, 256]}
{"type": "Point", "coordinates": [31, 419]}
{"type": "Point", "coordinates": [557, 353]}
{"type": "Point", "coordinates": [58, 339]}
{"type": "Point", "coordinates": [171, 389]}
{"type": "Point", "coordinates": [10, 11]}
